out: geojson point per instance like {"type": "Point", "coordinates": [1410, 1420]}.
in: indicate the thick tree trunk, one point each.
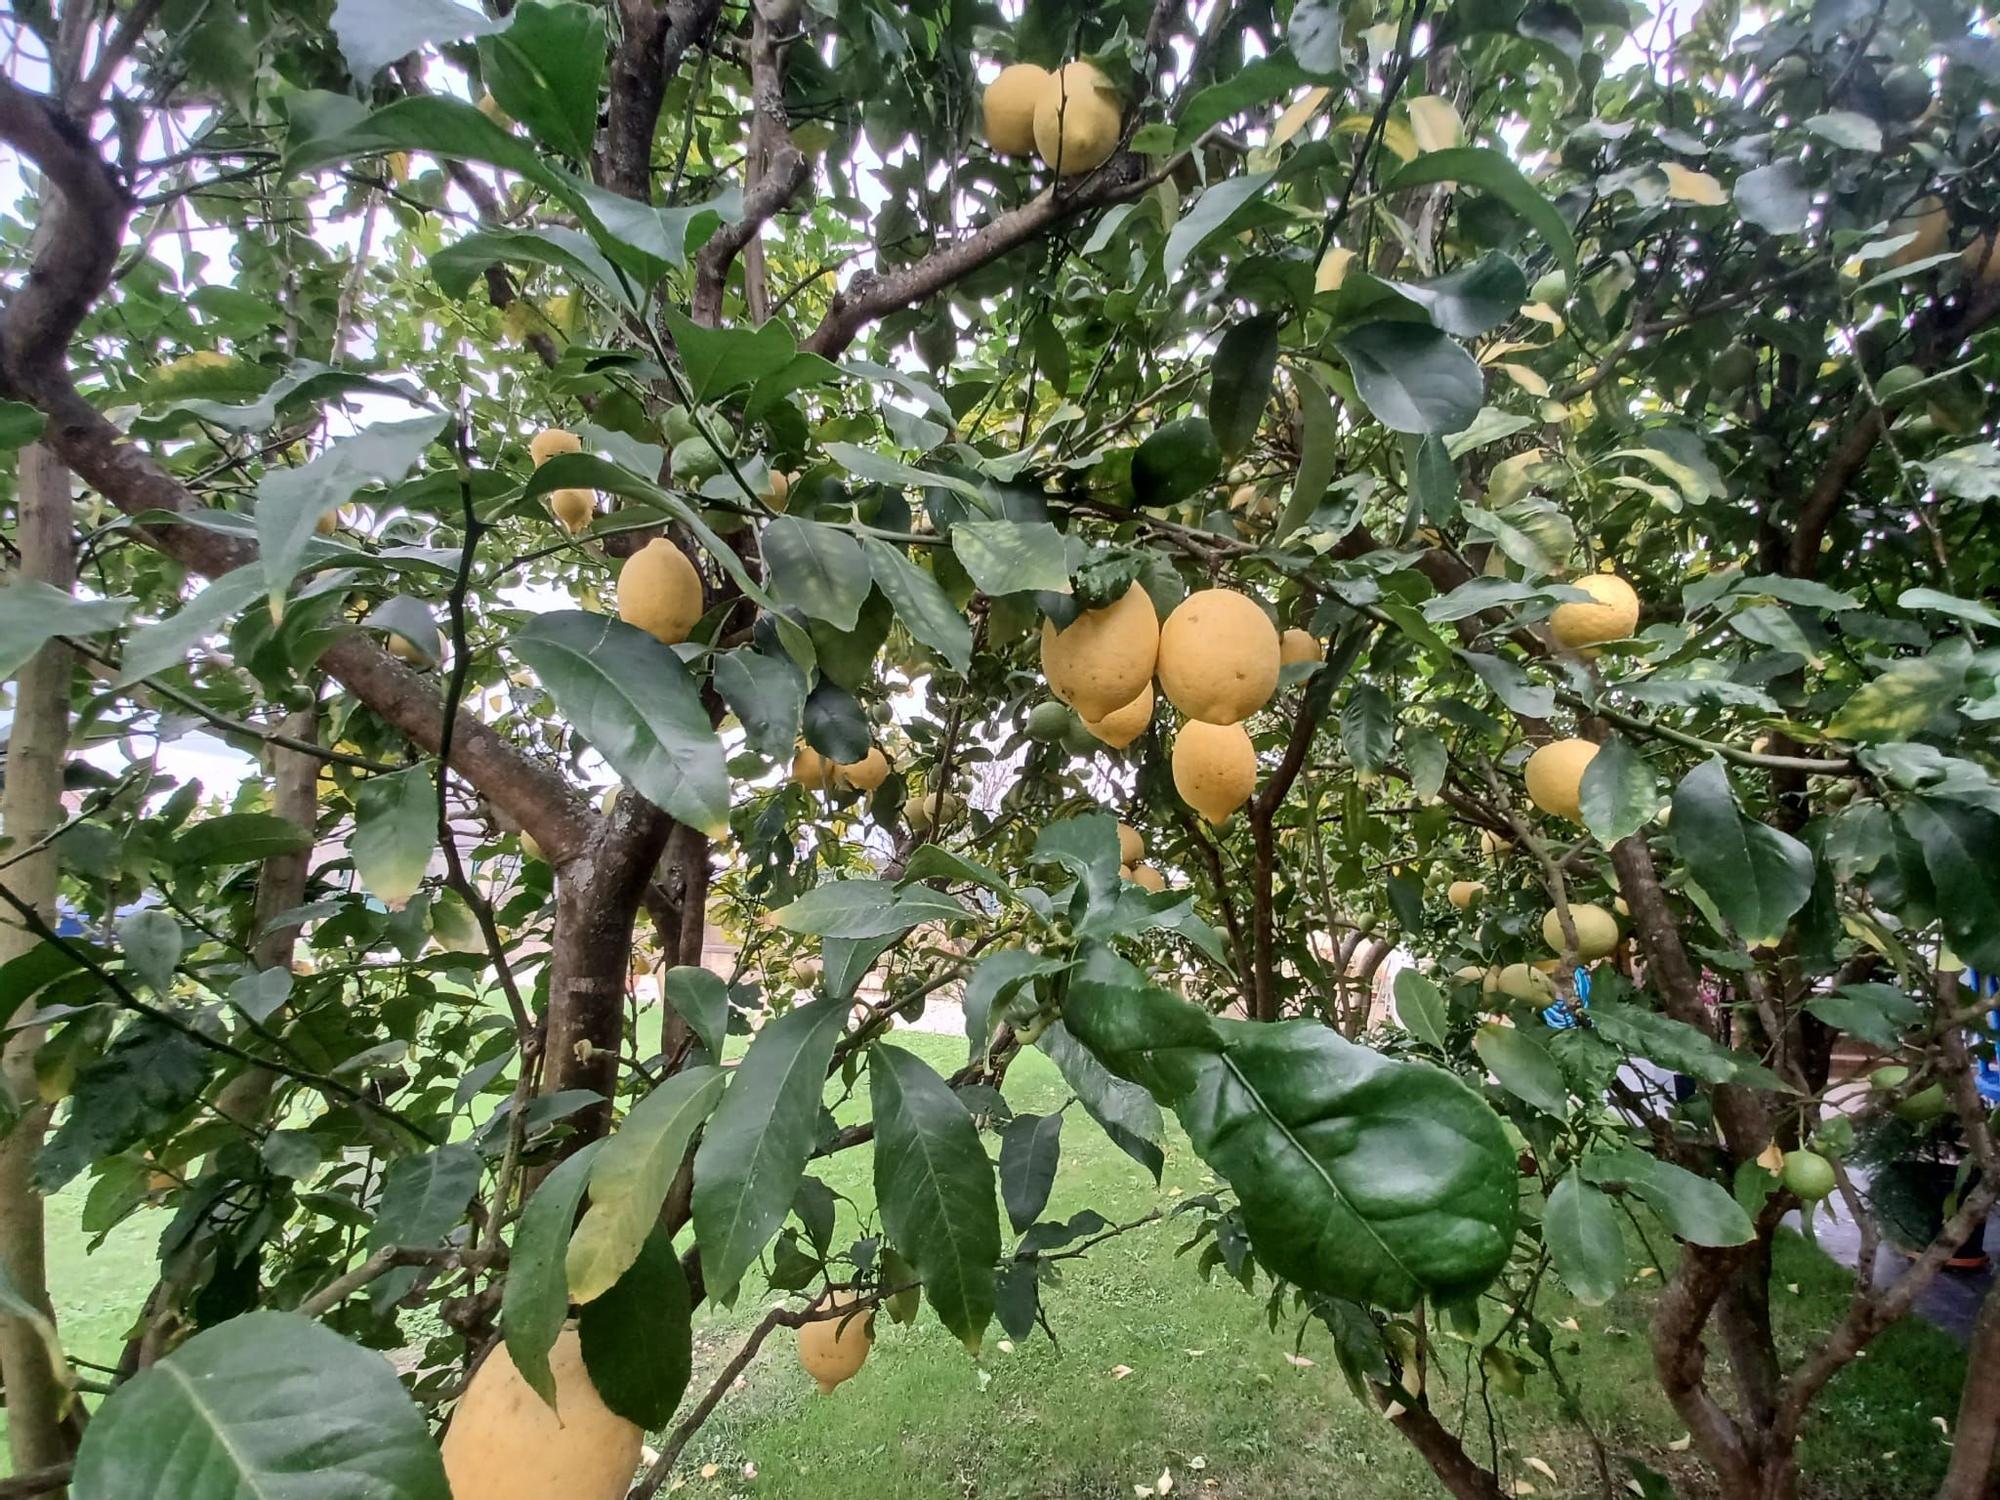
{"type": "Point", "coordinates": [30, 807]}
{"type": "Point", "coordinates": [1975, 1456]}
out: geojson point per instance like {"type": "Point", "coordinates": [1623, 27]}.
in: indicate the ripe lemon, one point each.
{"type": "Point", "coordinates": [1297, 645]}
{"type": "Point", "coordinates": [1076, 120]}
{"type": "Point", "coordinates": [1148, 878]}
{"type": "Point", "coordinates": [811, 770]}
{"type": "Point", "coordinates": [1131, 845]}
{"type": "Point", "coordinates": [778, 492]}
{"type": "Point", "coordinates": [867, 773]}
{"type": "Point", "coordinates": [1525, 982]}
{"type": "Point", "coordinates": [1123, 725]}
{"type": "Point", "coordinates": [405, 649]}
{"type": "Point", "coordinates": [932, 810]}
{"type": "Point", "coordinates": [1332, 270]}
{"type": "Point", "coordinates": [1613, 616]}
{"type": "Point", "coordinates": [1100, 660]}
{"type": "Point", "coordinates": [1462, 893]}
{"type": "Point", "coordinates": [1219, 656]}
{"type": "Point", "coordinates": [834, 1349]}
{"type": "Point", "coordinates": [1009, 108]}
{"type": "Point", "coordinates": [576, 509]}
{"type": "Point", "coordinates": [327, 523]}
{"type": "Point", "coordinates": [660, 592]}
{"type": "Point", "coordinates": [1215, 768]}
{"type": "Point", "coordinates": [552, 442]}
{"type": "Point", "coordinates": [1554, 775]}
{"type": "Point", "coordinates": [1596, 930]}
{"type": "Point", "coordinates": [1493, 846]}
{"type": "Point", "coordinates": [505, 1443]}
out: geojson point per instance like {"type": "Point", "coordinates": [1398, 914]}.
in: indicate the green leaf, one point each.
{"type": "Point", "coordinates": [1473, 299]}
{"type": "Point", "coordinates": [1087, 847]}
{"type": "Point", "coordinates": [935, 1188]}
{"type": "Point", "coordinates": [638, 1343]}
{"type": "Point", "coordinates": [395, 833]}
{"type": "Point", "coordinates": [1030, 1148]}
{"type": "Point", "coordinates": [818, 568]}
{"type": "Point", "coordinates": [534, 1299]}
{"type": "Point", "coordinates": [152, 942]}
{"type": "Point", "coordinates": [768, 697]}
{"type": "Point", "coordinates": [1848, 128]}
{"type": "Point", "coordinates": [1969, 610]}
{"type": "Point", "coordinates": [719, 360]}
{"type": "Point", "coordinates": [20, 425]}
{"type": "Point", "coordinates": [1359, 1176]}
{"type": "Point", "coordinates": [634, 701]}
{"type": "Point", "coordinates": [631, 1176]}
{"type": "Point", "coordinates": [1676, 1045]}
{"type": "Point", "coordinates": [1012, 557]}
{"type": "Point", "coordinates": [1314, 35]}
{"type": "Point", "coordinates": [701, 999]}
{"type": "Point", "coordinates": [1694, 1208]}
{"type": "Point", "coordinates": [1757, 876]}
{"type": "Point", "coordinates": [1175, 461]}
{"type": "Point", "coordinates": [1239, 386]}
{"type": "Point", "coordinates": [1319, 455]}
{"type": "Point", "coordinates": [755, 1151]}
{"type": "Point", "coordinates": [1525, 1067]}
{"type": "Point", "coordinates": [1368, 728]}
{"type": "Point", "coordinates": [33, 613]}
{"type": "Point", "coordinates": [866, 908]}
{"type": "Point", "coordinates": [935, 862]}
{"type": "Point", "coordinates": [410, 618]}
{"type": "Point", "coordinates": [876, 469]}
{"type": "Point", "coordinates": [544, 68]}
{"type": "Point", "coordinates": [1619, 793]}
{"type": "Point", "coordinates": [237, 839]}
{"type": "Point", "coordinates": [372, 34]}
{"type": "Point", "coordinates": [1122, 1109]}
{"type": "Point", "coordinates": [920, 603]}
{"type": "Point", "coordinates": [647, 239]}
{"type": "Point", "coordinates": [269, 1405]}
{"type": "Point", "coordinates": [147, 1078]}
{"type": "Point", "coordinates": [423, 1198]}
{"type": "Point", "coordinates": [1877, 1013]}
{"type": "Point", "coordinates": [994, 981]}
{"type": "Point", "coordinates": [459, 265]}
{"type": "Point", "coordinates": [1420, 1008]}
{"type": "Point", "coordinates": [1511, 685]}
{"type": "Point", "coordinates": [1256, 83]}
{"type": "Point", "coordinates": [168, 642]}
{"type": "Point", "coordinates": [1412, 377]}
{"type": "Point", "coordinates": [1776, 198]}
{"type": "Point", "coordinates": [1583, 1233]}
{"type": "Point", "coordinates": [1211, 211]}
{"type": "Point", "coordinates": [291, 502]}
{"type": "Point", "coordinates": [1902, 702]}
{"type": "Point", "coordinates": [1960, 843]}
{"type": "Point", "coordinates": [1482, 167]}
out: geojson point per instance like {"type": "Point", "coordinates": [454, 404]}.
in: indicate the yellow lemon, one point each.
{"type": "Point", "coordinates": [867, 773]}
{"type": "Point", "coordinates": [505, 1443]}
{"type": "Point", "coordinates": [1008, 108]}
{"type": "Point", "coordinates": [778, 492]}
{"type": "Point", "coordinates": [660, 592]}
{"type": "Point", "coordinates": [1525, 982]}
{"type": "Point", "coordinates": [1148, 878]}
{"type": "Point", "coordinates": [1493, 846]}
{"type": "Point", "coordinates": [1131, 845]}
{"type": "Point", "coordinates": [1102, 658]}
{"type": "Point", "coordinates": [576, 509]}
{"type": "Point", "coordinates": [1596, 930]}
{"type": "Point", "coordinates": [1462, 893]}
{"type": "Point", "coordinates": [1219, 656]}
{"type": "Point", "coordinates": [1215, 768]}
{"type": "Point", "coordinates": [812, 770]}
{"type": "Point", "coordinates": [1298, 645]}
{"type": "Point", "coordinates": [1613, 614]}
{"type": "Point", "coordinates": [552, 442]}
{"type": "Point", "coordinates": [834, 1349]}
{"type": "Point", "coordinates": [1554, 775]}
{"type": "Point", "coordinates": [1123, 725]}
{"type": "Point", "coordinates": [1076, 120]}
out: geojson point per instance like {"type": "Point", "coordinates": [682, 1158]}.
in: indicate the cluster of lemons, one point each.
{"type": "Point", "coordinates": [1217, 659]}
{"type": "Point", "coordinates": [1070, 118]}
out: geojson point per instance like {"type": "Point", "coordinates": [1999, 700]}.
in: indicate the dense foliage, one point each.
{"type": "Point", "coordinates": [1402, 322]}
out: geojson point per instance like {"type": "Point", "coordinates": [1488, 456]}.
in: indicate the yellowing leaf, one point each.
{"type": "Point", "coordinates": [1541, 312]}
{"type": "Point", "coordinates": [1772, 1158]}
{"type": "Point", "coordinates": [1435, 124]}
{"type": "Point", "coordinates": [1332, 269]}
{"type": "Point", "coordinates": [1400, 139]}
{"type": "Point", "coordinates": [1685, 185]}
{"type": "Point", "coordinates": [1293, 120]}
{"type": "Point", "coordinates": [1527, 379]}
{"type": "Point", "coordinates": [1541, 1468]}
{"type": "Point", "coordinates": [1298, 1361]}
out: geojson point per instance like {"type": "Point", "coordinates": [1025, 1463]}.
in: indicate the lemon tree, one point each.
{"type": "Point", "coordinates": [1409, 585]}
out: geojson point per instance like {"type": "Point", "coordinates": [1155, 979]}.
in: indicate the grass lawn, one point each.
{"type": "Point", "coordinates": [1210, 1394]}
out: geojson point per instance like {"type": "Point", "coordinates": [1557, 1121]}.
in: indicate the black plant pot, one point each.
{"type": "Point", "coordinates": [1914, 1198]}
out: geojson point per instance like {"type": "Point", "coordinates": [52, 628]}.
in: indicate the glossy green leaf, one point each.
{"type": "Point", "coordinates": [169, 641]}
{"type": "Point", "coordinates": [1757, 876]}
{"type": "Point", "coordinates": [1012, 557]}
{"type": "Point", "coordinates": [1211, 211]}
{"type": "Point", "coordinates": [1359, 1176]}
{"type": "Point", "coordinates": [1412, 377]}
{"type": "Point", "coordinates": [1368, 728]}
{"type": "Point", "coordinates": [1122, 1109]}
{"type": "Point", "coordinates": [1620, 794]}
{"type": "Point", "coordinates": [1474, 299]}
{"type": "Point", "coordinates": [1177, 459]}
{"type": "Point", "coordinates": [865, 908]}
{"type": "Point", "coordinates": [934, 1186]}
{"type": "Point", "coordinates": [1314, 34]}
{"type": "Point", "coordinates": [544, 69]}
{"type": "Point", "coordinates": [146, 1080]}
{"type": "Point", "coordinates": [995, 980]}
{"type": "Point", "coordinates": [395, 833]}
{"type": "Point", "coordinates": [1900, 704]}
{"type": "Point", "coordinates": [1585, 1236]}
{"type": "Point", "coordinates": [1318, 456]}
{"type": "Point", "coordinates": [1239, 384]}
{"type": "Point", "coordinates": [768, 697]}
{"type": "Point", "coordinates": [423, 1199]}
{"type": "Point", "coordinates": [1420, 1007]}
{"type": "Point", "coordinates": [1525, 1067]}
{"type": "Point", "coordinates": [238, 839]}
{"type": "Point", "coordinates": [701, 999]}
{"type": "Point", "coordinates": [817, 568]}
{"type": "Point", "coordinates": [755, 1150]}
{"type": "Point", "coordinates": [1776, 198]}
{"type": "Point", "coordinates": [1030, 1148]}
{"type": "Point", "coordinates": [719, 360]}
{"type": "Point", "coordinates": [631, 1175]}
{"type": "Point", "coordinates": [638, 1342]}
{"type": "Point", "coordinates": [1877, 1013]}
{"type": "Point", "coordinates": [269, 1405]}
{"type": "Point", "coordinates": [32, 613]}
{"type": "Point", "coordinates": [375, 33]}
{"type": "Point", "coordinates": [634, 701]}
{"type": "Point", "coordinates": [1960, 845]}
{"type": "Point", "coordinates": [1489, 170]}
{"type": "Point", "coordinates": [534, 1300]}
{"type": "Point", "coordinates": [1676, 1046]}
{"type": "Point", "coordinates": [920, 604]}
{"type": "Point", "coordinates": [152, 941]}
{"type": "Point", "coordinates": [1696, 1209]}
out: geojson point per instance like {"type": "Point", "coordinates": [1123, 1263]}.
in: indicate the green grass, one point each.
{"type": "Point", "coordinates": [1208, 1381]}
